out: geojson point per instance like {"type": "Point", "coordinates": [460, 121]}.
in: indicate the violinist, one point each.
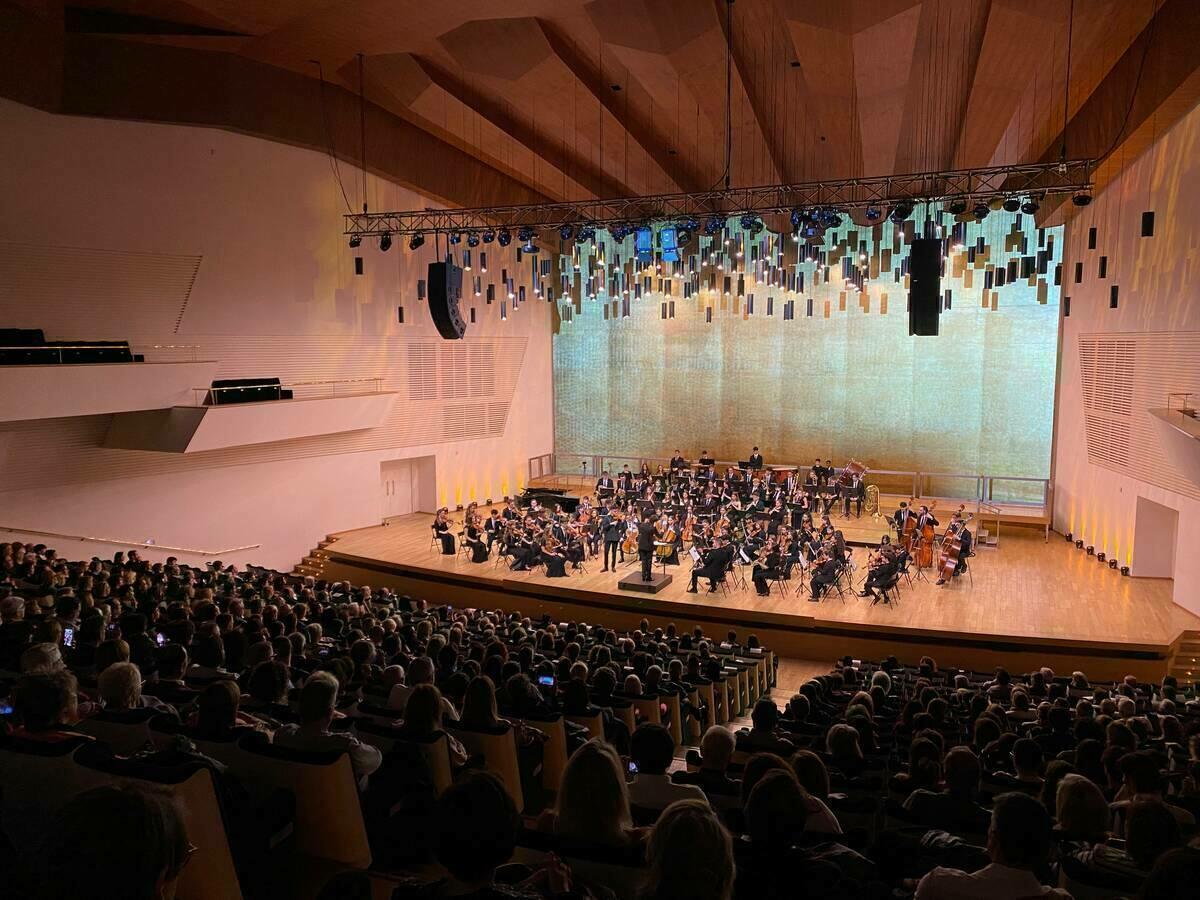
{"type": "Point", "coordinates": [825, 573]}
{"type": "Point", "coordinates": [441, 530]}
{"type": "Point", "coordinates": [511, 513]}
{"type": "Point", "coordinates": [612, 528]}
{"type": "Point", "coordinates": [493, 528]}
{"type": "Point", "coordinates": [473, 538]}
{"type": "Point", "coordinates": [554, 558]}
{"type": "Point", "coordinates": [524, 551]}
{"type": "Point", "coordinates": [714, 565]}
{"type": "Point", "coordinates": [766, 566]}
{"type": "Point", "coordinates": [882, 567]}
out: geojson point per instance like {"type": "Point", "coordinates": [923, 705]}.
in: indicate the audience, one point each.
{"type": "Point", "coordinates": [874, 779]}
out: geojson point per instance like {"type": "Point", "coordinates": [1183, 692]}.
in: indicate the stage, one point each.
{"type": "Point", "coordinates": [1029, 602]}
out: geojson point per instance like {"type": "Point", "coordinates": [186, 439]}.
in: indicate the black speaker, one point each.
{"type": "Point", "coordinates": [924, 292]}
{"type": "Point", "coordinates": [445, 290]}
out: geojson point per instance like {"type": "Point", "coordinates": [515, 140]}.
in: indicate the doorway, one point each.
{"type": "Point", "coordinates": [1155, 532]}
{"type": "Point", "coordinates": [407, 486]}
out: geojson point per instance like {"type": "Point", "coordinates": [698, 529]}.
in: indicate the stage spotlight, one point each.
{"type": "Point", "coordinates": [489, 235]}
{"type": "Point", "coordinates": [1112, 563]}
{"type": "Point", "coordinates": [1100, 557]}
{"type": "Point", "coordinates": [830, 218]}
{"type": "Point", "coordinates": [1082, 198]}
{"type": "Point", "coordinates": [385, 242]}
{"type": "Point", "coordinates": [957, 207]}
{"type": "Point", "coordinates": [748, 220]}
{"type": "Point", "coordinates": [757, 227]}
{"type": "Point", "coordinates": [1124, 570]}
{"type": "Point", "coordinates": [1091, 551]}
{"type": "Point", "coordinates": [415, 242]}
{"type": "Point", "coordinates": [900, 212]}
{"type": "Point", "coordinates": [472, 239]}
{"type": "Point", "coordinates": [1030, 206]}
{"type": "Point", "coordinates": [873, 213]}
{"type": "Point", "coordinates": [504, 238]}
{"type": "Point", "coordinates": [713, 225]}
{"type": "Point", "coordinates": [797, 218]}
{"type": "Point", "coordinates": [1070, 537]}
{"type": "Point", "coordinates": [683, 236]}
{"type": "Point", "coordinates": [981, 210]}
{"type": "Point", "coordinates": [529, 247]}
{"type": "Point", "coordinates": [454, 237]}
{"type": "Point", "coordinates": [586, 232]}
{"type": "Point", "coordinates": [1011, 204]}
{"type": "Point", "coordinates": [811, 230]}
{"type": "Point", "coordinates": [356, 241]}
{"type": "Point", "coordinates": [565, 232]}
{"type": "Point", "coordinates": [1079, 545]}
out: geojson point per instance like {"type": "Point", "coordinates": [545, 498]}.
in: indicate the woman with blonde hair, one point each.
{"type": "Point", "coordinates": [689, 856]}
{"type": "Point", "coordinates": [1081, 810]}
{"type": "Point", "coordinates": [593, 801]}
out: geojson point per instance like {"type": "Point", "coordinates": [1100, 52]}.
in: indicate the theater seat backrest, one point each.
{"type": "Point", "coordinates": [594, 724]}
{"type": "Point", "coordinates": [329, 822]}
{"type": "Point", "coordinates": [124, 733]}
{"type": "Point", "coordinates": [499, 752]}
{"type": "Point", "coordinates": [37, 779]}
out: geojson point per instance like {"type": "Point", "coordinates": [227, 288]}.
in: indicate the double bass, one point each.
{"type": "Point", "coordinates": [920, 545]}
{"type": "Point", "coordinates": [950, 553]}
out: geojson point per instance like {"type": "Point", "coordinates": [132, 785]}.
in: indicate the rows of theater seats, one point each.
{"type": "Point", "coordinates": [869, 777]}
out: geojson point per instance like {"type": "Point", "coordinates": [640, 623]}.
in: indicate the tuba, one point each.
{"type": "Point", "coordinates": [872, 503]}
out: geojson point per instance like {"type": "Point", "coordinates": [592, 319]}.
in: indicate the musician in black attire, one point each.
{"type": "Point", "coordinates": [882, 573]}
{"type": "Point", "coordinates": [716, 561]}
{"type": "Point", "coordinates": [441, 529]}
{"type": "Point", "coordinates": [854, 491]}
{"type": "Point", "coordinates": [493, 528]}
{"type": "Point", "coordinates": [524, 552]}
{"type": "Point", "coordinates": [825, 575]}
{"type": "Point", "coordinates": [474, 540]}
{"type": "Point", "coordinates": [959, 527]}
{"type": "Point", "coordinates": [647, 534]}
{"type": "Point", "coordinates": [677, 461]}
{"type": "Point", "coordinates": [556, 561]}
{"type": "Point", "coordinates": [900, 520]}
{"type": "Point", "coordinates": [766, 567]}
{"type": "Point", "coordinates": [925, 517]}
{"type": "Point", "coordinates": [613, 531]}
{"type": "Point", "coordinates": [605, 486]}
{"type": "Point", "coordinates": [755, 460]}
{"type": "Point", "coordinates": [625, 479]}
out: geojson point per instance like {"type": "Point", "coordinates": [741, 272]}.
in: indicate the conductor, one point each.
{"type": "Point", "coordinates": [647, 534]}
{"type": "Point", "coordinates": [716, 561]}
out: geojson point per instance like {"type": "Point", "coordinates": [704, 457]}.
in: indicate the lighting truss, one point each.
{"type": "Point", "coordinates": [1043, 179]}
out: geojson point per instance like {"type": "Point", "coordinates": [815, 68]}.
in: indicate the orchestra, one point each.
{"type": "Point", "coordinates": [766, 522]}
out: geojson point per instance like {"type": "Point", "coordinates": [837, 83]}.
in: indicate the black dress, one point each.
{"type": "Point", "coordinates": [442, 530]}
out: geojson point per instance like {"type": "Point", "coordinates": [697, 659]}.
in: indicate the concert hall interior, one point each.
{"type": "Point", "coordinates": [356, 345]}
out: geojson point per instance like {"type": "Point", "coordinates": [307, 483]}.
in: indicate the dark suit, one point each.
{"type": "Point", "coordinates": [715, 564]}
{"type": "Point", "coordinates": [614, 532]}
{"type": "Point", "coordinates": [823, 577]}
{"type": "Point", "coordinates": [605, 486]}
{"type": "Point", "coordinates": [756, 461]}
{"type": "Point", "coordinates": [647, 532]}
{"type": "Point", "coordinates": [899, 520]}
{"type": "Point", "coordinates": [856, 492]}
{"type": "Point", "coordinates": [967, 543]}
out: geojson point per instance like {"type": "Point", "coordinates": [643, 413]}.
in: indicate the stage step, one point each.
{"type": "Point", "coordinates": [1185, 664]}
{"type": "Point", "coordinates": [314, 563]}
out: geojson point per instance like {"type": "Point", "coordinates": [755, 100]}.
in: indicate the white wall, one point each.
{"type": "Point", "coordinates": [274, 294]}
{"type": "Point", "coordinates": [1158, 306]}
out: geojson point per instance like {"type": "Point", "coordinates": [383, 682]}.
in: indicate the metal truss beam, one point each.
{"type": "Point", "coordinates": [966, 184]}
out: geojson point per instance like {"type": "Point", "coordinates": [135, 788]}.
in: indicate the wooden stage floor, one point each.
{"type": "Point", "coordinates": [1027, 597]}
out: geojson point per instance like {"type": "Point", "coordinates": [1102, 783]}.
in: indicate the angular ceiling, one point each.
{"type": "Point", "coordinates": [570, 99]}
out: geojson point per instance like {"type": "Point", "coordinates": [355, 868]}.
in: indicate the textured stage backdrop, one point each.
{"type": "Point", "coordinates": [842, 377]}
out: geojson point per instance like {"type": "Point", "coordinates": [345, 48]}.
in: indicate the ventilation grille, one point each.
{"type": "Point", "coordinates": [1124, 375]}
{"type": "Point", "coordinates": [87, 293]}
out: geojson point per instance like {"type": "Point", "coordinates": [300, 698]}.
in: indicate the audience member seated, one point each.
{"type": "Point", "coordinates": [593, 810]}
{"type": "Point", "coordinates": [652, 751]}
{"type": "Point", "coordinates": [318, 707]}
{"type": "Point", "coordinates": [423, 721]}
{"type": "Point", "coordinates": [956, 806]}
{"type": "Point", "coordinates": [1018, 845]}
{"type": "Point", "coordinates": [113, 842]}
{"type": "Point", "coordinates": [689, 855]}
{"type": "Point", "coordinates": [716, 750]}
{"type": "Point", "coordinates": [764, 735]}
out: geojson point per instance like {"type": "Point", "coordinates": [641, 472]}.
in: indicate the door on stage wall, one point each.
{"type": "Point", "coordinates": [407, 486]}
{"type": "Point", "coordinates": [1155, 532]}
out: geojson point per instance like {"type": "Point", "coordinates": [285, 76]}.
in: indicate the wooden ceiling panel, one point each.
{"type": "Point", "coordinates": [819, 88]}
